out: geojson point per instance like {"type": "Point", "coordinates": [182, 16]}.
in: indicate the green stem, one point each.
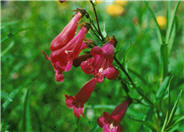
{"type": "Point", "coordinates": [99, 30]}
{"type": "Point", "coordinates": [165, 61]}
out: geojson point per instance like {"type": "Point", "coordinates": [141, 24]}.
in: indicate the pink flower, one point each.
{"type": "Point", "coordinates": [77, 102]}
{"type": "Point", "coordinates": [67, 33]}
{"type": "Point", "coordinates": [100, 65]}
{"type": "Point", "coordinates": [62, 59]}
{"type": "Point", "coordinates": [111, 123]}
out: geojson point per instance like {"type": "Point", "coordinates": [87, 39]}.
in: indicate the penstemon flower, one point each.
{"type": "Point", "coordinates": [77, 102]}
{"type": "Point", "coordinates": [62, 59]}
{"type": "Point", "coordinates": [100, 65]}
{"type": "Point", "coordinates": [111, 122]}
{"type": "Point", "coordinates": [67, 33]}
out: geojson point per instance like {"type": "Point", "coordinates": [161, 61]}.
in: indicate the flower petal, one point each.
{"type": "Point", "coordinates": [78, 111]}
{"type": "Point", "coordinates": [83, 46]}
{"type": "Point", "coordinates": [69, 101]}
{"type": "Point", "coordinates": [120, 111]}
{"type": "Point", "coordinates": [101, 121]}
{"type": "Point", "coordinates": [108, 50]}
{"type": "Point", "coordinates": [85, 92]}
{"type": "Point", "coordinates": [66, 34]}
{"type": "Point", "coordinates": [59, 77]}
{"type": "Point", "coordinates": [68, 66]}
{"type": "Point", "coordinates": [96, 50]}
{"type": "Point", "coordinates": [111, 73]}
{"type": "Point", "coordinates": [87, 66]}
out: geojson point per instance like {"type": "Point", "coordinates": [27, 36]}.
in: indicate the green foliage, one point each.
{"type": "Point", "coordinates": [32, 101]}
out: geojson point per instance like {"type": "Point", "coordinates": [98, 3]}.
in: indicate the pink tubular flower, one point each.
{"type": "Point", "coordinates": [62, 59]}
{"type": "Point", "coordinates": [111, 123]}
{"type": "Point", "coordinates": [67, 33]}
{"type": "Point", "coordinates": [100, 65]}
{"type": "Point", "coordinates": [77, 102]}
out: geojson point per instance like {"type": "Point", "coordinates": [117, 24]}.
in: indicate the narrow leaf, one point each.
{"type": "Point", "coordinates": [172, 38]}
{"type": "Point", "coordinates": [7, 49]}
{"type": "Point", "coordinates": [6, 96]}
{"type": "Point", "coordinates": [171, 22]}
{"type": "Point", "coordinates": [158, 27]}
{"type": "Point", "coordinates": [172, 113]}
{"type": "Point", "coordinates": [175, 122]}
{"type": "Point", "coordinates": [165, 123]}
{"type": "Point", "coordinates": [146, 123]}
{"type": "Point", "coordinates": [162, 89]}
{"type": "Point", "coordinates": [26, 114]}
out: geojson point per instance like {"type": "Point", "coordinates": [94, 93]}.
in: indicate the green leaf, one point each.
{"type": "Point", "coordinates": [146, 123]}
{"type": "Point", "coordinates": [94, 129]}
{"type": "Point", "coordinates": [172, 38]}
{"type": "Point", "coordinates": [26, 114]}
{"type": "Point", "coordinates": [13, 94]}
{"type": "Point", "coordinates": [9, 23]}
{"type": "Point", "coordinates": [162, 89]}
{"type": "Point", "coordinates": [12, 34]}
{"type": "Point", "coordinates": [101, 106]}
{"type": "Point", "coordinates": [7, 49]}
{"type": "Point", "coordinates": [170, 23]}
{"type": "Point", "coordinates": [148, 117]}
{"type": "Point", "coordinates": [165, 123]}
{"type": "Point", "coordinates": [103, 31]}
{"type": "Point", "coordinates": [157, 26]}
{"type": "Point", "coordinates": [6, 96]}
{"type": "Point", "coordinates": [172, 113]}
{"type": "Point", "coordinates": [175, 123]}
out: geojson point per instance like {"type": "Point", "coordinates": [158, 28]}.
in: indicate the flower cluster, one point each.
{"type": "Point", "coordinates": [66, 48]}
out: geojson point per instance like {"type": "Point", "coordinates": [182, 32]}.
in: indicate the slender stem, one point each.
{"type": "Point", "coordinates": [95, 33]}
{"type": "Point", "coordinates": [91, 21]}
{"type": "Point", "coordinates": [99, 30]}
{"type": "Point", "coordinates": [132, 83]}
{"type": "Point", "coordinates": [124, 85]}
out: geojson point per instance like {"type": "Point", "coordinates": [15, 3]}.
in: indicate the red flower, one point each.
{"type": "Point", "coordinates": [77, 102]}
{"type": "Point", "coordinates": [62, 59]}
{"type": "Point", "coordinates": [111, 123]}
{"type": "Point", "coordinates": [100, 65]}
{"type": "Point", "coordinates": [67, 33]}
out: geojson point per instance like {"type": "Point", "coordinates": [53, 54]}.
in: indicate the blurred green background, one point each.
{"type": "Point", "coordinates": [31, 99]}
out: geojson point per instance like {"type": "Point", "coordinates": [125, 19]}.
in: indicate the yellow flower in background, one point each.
{"type": "Point", "coordinates": [121, 2]}
{"type": "Point", "coordinates": [161, 21]}
{"type": "Point", "coordinates": [99, 1]}
{"type": "Point", "coordinates": [115, 10]}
